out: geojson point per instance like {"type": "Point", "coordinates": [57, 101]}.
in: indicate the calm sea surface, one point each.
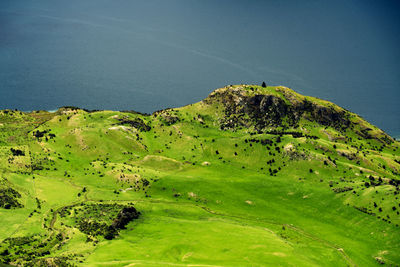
{"type": "Point", "coordinates": [147, 55]}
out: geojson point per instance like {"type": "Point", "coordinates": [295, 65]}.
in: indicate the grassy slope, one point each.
{"type": "Point", "coordinates": [201, 207]}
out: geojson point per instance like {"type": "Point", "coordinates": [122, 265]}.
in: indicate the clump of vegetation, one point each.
{"type": "Point", "coordinates": [100, 219]}
{"type": "Point", "coordinates": [9, 198]}
{"type": "Point", "coordinates": [166, 117]}
{"type": "Point", "coordinates": [137, 123]}
{"type": "Point", "coordinates": [342, 189]}
{"type": "Point", "coordinates": [25, 250]}
{"type": "Point", "coordinates": [17, 152]}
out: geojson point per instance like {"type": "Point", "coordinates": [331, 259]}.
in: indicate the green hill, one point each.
{"type": "Point", "coordinates": [250, 176]}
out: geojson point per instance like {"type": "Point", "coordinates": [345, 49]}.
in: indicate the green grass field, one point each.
{"type": "Point", "coordinates": [215, 185]}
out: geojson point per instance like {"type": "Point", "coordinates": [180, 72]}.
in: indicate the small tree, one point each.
{"type": "Point", "coordinates": [263, 84]}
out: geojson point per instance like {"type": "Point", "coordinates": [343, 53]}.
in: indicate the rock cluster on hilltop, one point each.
{"type": "Point", "coordinates": [244, 106]}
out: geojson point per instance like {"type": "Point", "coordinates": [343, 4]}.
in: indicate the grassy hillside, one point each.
{"type": "Point", "coordinates": [250, 176]}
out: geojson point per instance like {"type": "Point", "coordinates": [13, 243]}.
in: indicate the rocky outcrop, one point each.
{"type": "Point", "coordinates": [326, 116]}
{"type": "Point", "coordinates": [166, 116]}
{"type": "Point", "coordinates": [267, 110]}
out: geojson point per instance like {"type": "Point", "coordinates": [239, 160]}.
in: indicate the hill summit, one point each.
{"type": "Point", "coordinates": [281, 107]}
{"type": "Point", "coordinates": [249, 176]}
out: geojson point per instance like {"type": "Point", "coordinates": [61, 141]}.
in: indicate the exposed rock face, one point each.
{"type": "Point", "coordinates": [266, 110]}
{"type": "Point", "coordinates": [269, 110]}
{"type": "Point", "coordinates": [327, 116]}
{"type": "Point", "coordinates": [247, 106]}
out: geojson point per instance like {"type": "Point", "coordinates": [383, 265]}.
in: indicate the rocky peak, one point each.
{"type": "Point", "coordinates": [262, 108]}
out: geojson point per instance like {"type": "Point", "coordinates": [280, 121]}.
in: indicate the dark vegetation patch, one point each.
{"type": "Point", "coordinates": [44, 134]}
{"type": "Point", "coordinates": [75, 109]}
{"type": "Point", "coordinates": [9, 198]}
{"type": "Point", "coordinates": [42, 162]}
{"type": "Point", "coordinates": [52, 261]}
{"type": "Point", "coordinates": [137, 123]}
{"type": "Point", "coordinates": [263, 141]}
{"type": "Point", "coordinates": [294, 134]}
{"type": "Point", "coordinates": [365, 210]}
{"type": "Point", "coordinates": [39, 134]}
{"type": "Point", "coordinates": [168, 116]}
{"type": "Point", "coordinates": [24, 251]}
{"type": "Point", "coordinates": [135, 112]}
{"type": "Point", "coordinates": [17, 152]}
{"type": "Point", "coordinates": [342, 189]}
{"type": "Point", "coordinates": [100, 219]}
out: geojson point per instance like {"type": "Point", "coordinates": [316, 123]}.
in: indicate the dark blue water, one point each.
{"type": "Point", "coordinates": [148, 55]}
